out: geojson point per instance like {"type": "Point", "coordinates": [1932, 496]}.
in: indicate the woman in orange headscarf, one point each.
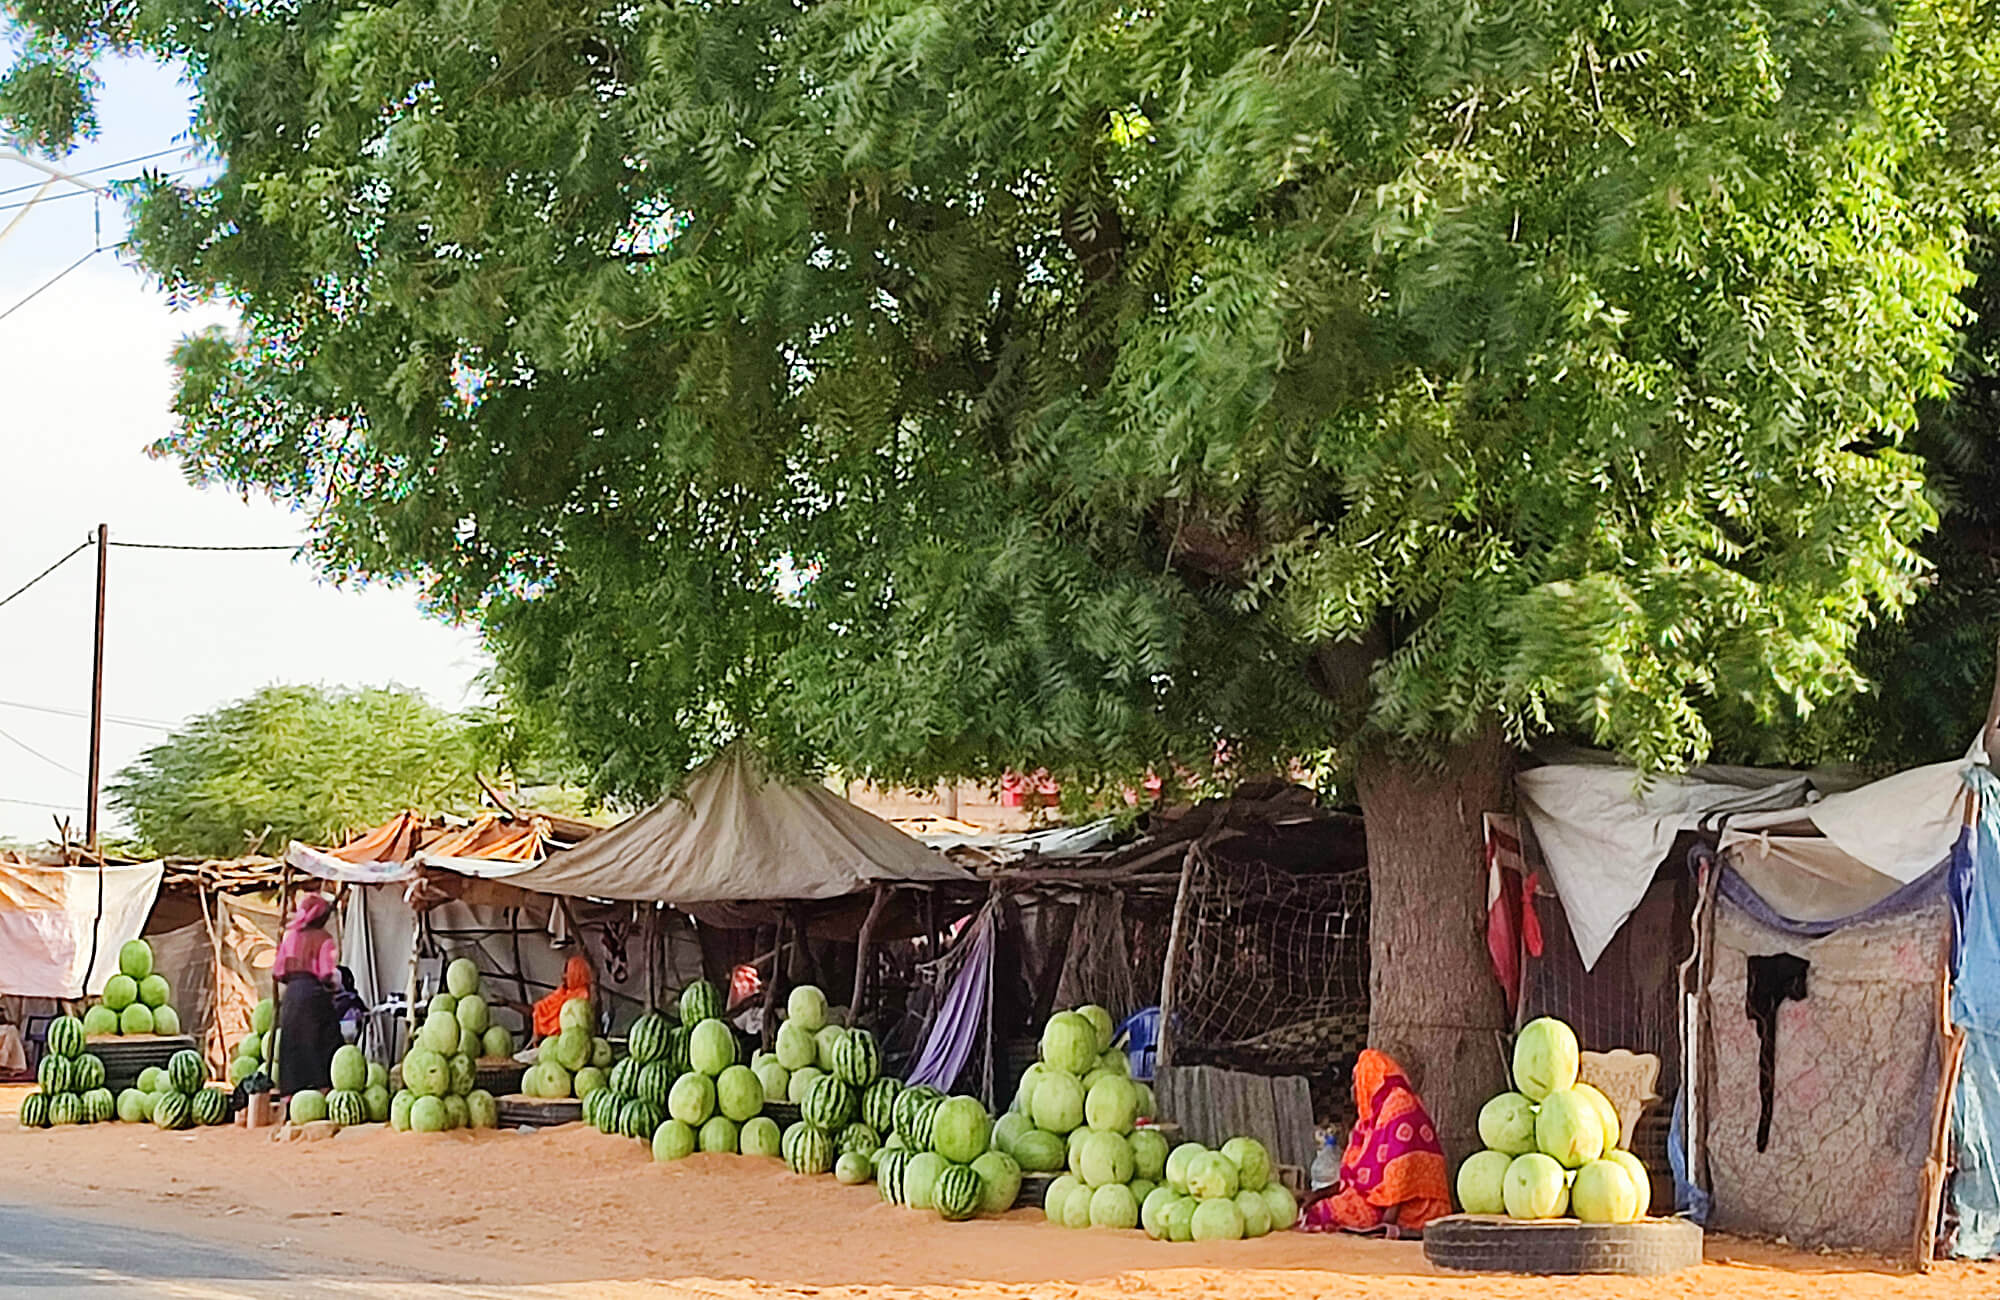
{"type": "Point", "coordinates": [577, 981]}
{"type": "Point", "coordinates": [1393, 1175]}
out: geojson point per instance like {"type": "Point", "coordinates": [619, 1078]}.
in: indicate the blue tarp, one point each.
{"type": "Point", "coordinates": [1975, 1006]}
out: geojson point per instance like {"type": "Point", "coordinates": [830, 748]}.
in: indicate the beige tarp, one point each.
{"type": "Point", "coordinates": [60, 927]}
{"type": "Point", "coordinates": [737, 834]}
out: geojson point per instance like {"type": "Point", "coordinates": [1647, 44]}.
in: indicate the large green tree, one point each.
{"type": "Point", "coordinates": [1179, 386]}
{"type": "Point", "coordinates": [303, 762]}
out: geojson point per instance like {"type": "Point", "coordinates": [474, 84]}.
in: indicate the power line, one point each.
{"type": "Point", "coordinates": [52, 762]}
{"type": "Point", "coordinates": [51, 283]}
{"type": "Point", "coordinates": [173, 546]}
{"type": "Point", "coordinates": [111, 166]}
{"type": "Point", "coordinates": [79, 194]}
{"type": "Point", "coordinates": [81, 547]}
{"type": "Point", "coordinates": [36, 803]}
{"type": "Point", "coordinates": [149, 724]}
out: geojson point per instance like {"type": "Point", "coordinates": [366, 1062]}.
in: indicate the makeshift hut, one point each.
{"type": "Point", "coordinates": [1813, 1047]}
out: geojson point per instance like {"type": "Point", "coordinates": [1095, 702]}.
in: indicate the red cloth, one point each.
{"type": "Point", "coordinates": [576, 984]}
{"type": "Point", "coordinates": [1511, 923]}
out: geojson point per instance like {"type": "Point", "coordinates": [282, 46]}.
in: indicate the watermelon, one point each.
{"type": "Point", "coordinates": [878, 1104]}
{"type": "Point", "coordinates": [135, 959]}
{"type": "Point", "coordinates": [831, 1104]}
{"type": "Point", "coordinates": [824, 1042]}
{"type": "Point", "coordinates": [426, 1073]}
{"type": "Point", "coordinates": [759, 1136]}
{"type": "Point", "coordinates": [624, 1078]}
{"type": "Point", "coordinates": [210, 1107]}
{"type": "Point", "coordinates": [673, 1140]}
{"type": "Point", "coordinates": [857, 1060]}
{"type": "Point", "coordinates": [444, 1004]}
{"type": "Point", "coordinates": [809, 1149]}
{"type": "Point", "coordinates": [853, 1168]}
{"type": "Point", "coordinates": [806, 1007]}
{"type": "Point", "coordinates": [699, 1002]}
{"type": "Point", "coordinates": [375, 1101]}
{"type": "Point", "coordinates": [308, 1106]}
{"type": "Point", "coordinates": [482, 1110]}
{"type": "Point", "coordinates": [999, 1181]}
{"type": "Point", "coordinates": [264, 1017]}
{"type": "Point", "coordinates": [349, 1068]}
{"type": "Point", "coordinates": [800, 1085]}
{"type": "Point", "coordinates": [186, 1071]}
{"type": "Point", "coordinates": [961, 1130]}
{"type": "Point", "coordinates": [1069, 1043]}
{"type": "Point", "coordinates": [65, 1108]}
{"type": "Point", "coordinates": [99, 1106]}
{"type": "Point", "coordinates": [638, 1118]}
{"type": "Point", "coordinates": [131, 1106]}
{"type": "Point", "coordinates": [889, 1167]}
{"type": "Point", "coordinates": [345, 1107]}
{"type": "Point", "coordinates": [1113, 1206]}
{"type": "Point", "coordinates": [711, 1047]}
{"type": "Point", "coordinates": [52, 1073]}
{"type": "Point", "coordinates": [718, 1135]}
{"type": "Point", "coordinates": [428, 1115]}
{"type": "Point", "coordinates": [173, 1110]}
{"type": "Point", "coordinates": [796, 1047]}
{"type": "Point", "coordinates": [497, 1041]}
{"type": "Point", "coordinates": [1039, 1152]}
{"type": "Point", "coordinates": [677, 1049]}
{"type": "Point", "coordinates": [588, 1080]}
{"type": "Point", "coordinates": [137, 1019]}
{"type": "Point", "coordinates": [646, 1042]}
{"type": "Point", "coordinates": [859, 1138]}
{"type": "Point", "coordinates": [464, 1074]}
{"type": "Point", "coordinates": [462, 977]}
{"type": "Point", "coordinates": [739, 1094]}
{"type": "Point", "coordinates": [85, 1073]}
{"type": "Point", "coordinates": [65, 1036]}
{"type": "Point", "coordinates": [912, 1114]}
{"type": "Point", "coordinates": [593, 1107]}
{"type": "Point", "coordinates": [1058, 1105]}
{"type": "Point", "coordinates": [920, 1178]}
{"type": "Point", "coordinates": [473, 1015]}
{"type": "Point", "coordinates": [773, 1078]}
{"type": "Point", "coordinates": [692, 1099]}
{"type": "Point", "coordinates": [154, 990]}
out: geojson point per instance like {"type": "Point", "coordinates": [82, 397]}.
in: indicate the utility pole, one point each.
{"type": "Point", "coordinates": [97, 694]}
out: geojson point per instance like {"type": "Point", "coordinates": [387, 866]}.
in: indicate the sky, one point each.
{"type": "Point", "coordinates": [84, 389]}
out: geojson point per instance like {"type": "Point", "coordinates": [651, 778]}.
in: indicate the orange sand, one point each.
{"type": "Point", "coordinates": [572, 1206]}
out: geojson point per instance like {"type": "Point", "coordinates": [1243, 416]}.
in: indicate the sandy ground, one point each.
{"type": "Point", "coordinates": [572, 1212]}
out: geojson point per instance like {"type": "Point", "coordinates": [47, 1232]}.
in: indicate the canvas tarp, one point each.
{"type": "Point", "coordinates": [738, 835]}
{"type": "Point", "coordinates": [1603, 831]}
{"type": "Point", "coordinates": [60, 927]}
{"type": "Point", "coordinates": [492, 848]}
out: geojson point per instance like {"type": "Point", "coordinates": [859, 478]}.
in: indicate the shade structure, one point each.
{"type": "Point", "coordinates": [740, 834]}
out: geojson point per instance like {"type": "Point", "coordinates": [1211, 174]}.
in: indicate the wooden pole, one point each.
{"type": "Point", "coordinates": [1177, 940]}
{"type": "Point", "coordinates": [96, 696]}
{"type": "Point", "coordinates": [863, 950]}
{"type": "Point", "coordinates": [768, 1028]}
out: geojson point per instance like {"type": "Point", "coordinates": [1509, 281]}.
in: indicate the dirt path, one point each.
{"type": "Point", "coordinates": [571, 1211]}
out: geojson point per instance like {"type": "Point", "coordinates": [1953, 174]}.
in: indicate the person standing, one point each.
{"type": "Point", "coordinates": [306, 971]}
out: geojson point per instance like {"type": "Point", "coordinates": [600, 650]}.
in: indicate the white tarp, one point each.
{"type": "Point", "coordinates": [1059, 841]}
{"type": "Point", "coordinates": [738, 835]}
{"type": "Point", "coordinates": [1603, 831]}
{"type": "Point", "coordinates": [48, 916]}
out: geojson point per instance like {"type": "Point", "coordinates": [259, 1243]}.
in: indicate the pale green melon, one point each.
{"type": "Point", "coordinates": [1152, 1211]}
{"type": "Point", "coordinates": [1069, 1043]}
{"type": "Point", "coordinates": [308, 1106]}
{"type": "Point", "coordinates": [1100, 1023]}
{"type": "Point", "coordinates": [1105, 1158]}
{"type": "Point", "coordinates": [1149, 1154]}
{"type": "Point", "coordinates": [1545, 1058]}
{"type": "Point", "coordinates": [1112, 1206]}
{"type": "Point", "coordinates": [999, 1181]}
{"type": "Point", "coordinates": [673, 1140]}
{"type": "Point", "coordinates": [1056, 1195]}
{"type": "Point", "coordinates": [1252, 1161]}
{"type": "Point", "coordinates": [796, 1046]}
{"type": "Point", "coordinates": [1284, 1208]}
{"type": "Point", "coordinates": [1568, 1129]}
{"type": "Point", "coordinates": [1179, 1218]}
{"type": "Point", "coordinates": [718, 1135]}
{"type": "Point", "coordinates": [760, 1136]}
{"type": "Point", "coordinates": [1256, 1214]}
{"type": "Point", "coordinates": [428, 1115]}
{"type": "Point", "coordinates": [806, 1008]}
{"type": "Point", "coordinates": [1111, 1103]}
{"type": "Point", "coordinates": [1642, 1182]}
{"type": "Point", "coordinates": [1217, 1219]}
{"type": "Point", "coordinates": [1604, 1193]}
{"type": "Point", "coordinates": [773, 1078]}
{"type": "Point", "coordinates": [349, 1068]}
{"type": "Point", "coordinates": [1058, 1101]}
{"type": "Point", "coordinates": [1178, 1161]}
{"type": "Point", "coordinates": [482, 1109]}
{"type": "Point", "coordinates": [462, 977]}
{"type": "Point", "coordinates": [1535, 1188]}
{"type": "Point", "coordinates": [1482, 1183]}
{"type": "Point", "coordinates": [1213, 1176]}
{"type": "Point", "coordinates": [101, 1020]}
{"type": "Point", "coordinates": [1507, 1124]}
{"type": "Point", "coordinates": [739, 1094]}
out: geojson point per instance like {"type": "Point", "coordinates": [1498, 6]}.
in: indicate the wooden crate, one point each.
{"type": "Point", "coordinates": [126, 1056]}
{"type": "Point", "coordinates": [538, 1112]}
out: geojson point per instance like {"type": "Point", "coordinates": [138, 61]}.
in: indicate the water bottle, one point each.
{"type": "Point", "coordinates": [1326, 1165]}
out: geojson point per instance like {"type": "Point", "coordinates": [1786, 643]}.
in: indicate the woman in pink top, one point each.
{"type": "Point", "coordinates": [305, 971]}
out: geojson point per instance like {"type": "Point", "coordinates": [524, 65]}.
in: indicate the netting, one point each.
{"type": "Point", "coordinates": [1274, 976]}
{"type": "Point", "coordinates": [1098, 965]}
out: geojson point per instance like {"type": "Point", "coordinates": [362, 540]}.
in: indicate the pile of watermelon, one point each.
{"type": "Point", "coordinates": [136, 1000]}
{"type": "Point", "coordinates": [257, 1051]}
{"type": "Point", "coordinates": [71, 1082]}
{"type": "Point", "coordinates": [177, 1097]}
{"type": "Point", "coordinates": [805, 1044]}
{"type": "Point", "coordinates": [683, 1086]}
{"type": "Point", "coordinates": [441, 1068]}
{"type": "Point", "coordinates": [1201, 1195]}
{"type": "Point", "coordinates": [573, 1061]}
{"type": "Point", "coordinates": [360, 1093]}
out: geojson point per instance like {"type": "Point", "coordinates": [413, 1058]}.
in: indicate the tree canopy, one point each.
{"type": "Point", "coordinates": [308, 763]}
{"type": "Point", "coordinates": [1140, 387]}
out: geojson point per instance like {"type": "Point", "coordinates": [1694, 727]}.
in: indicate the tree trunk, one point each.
{"type": "Point", "coordinates": [1434, 1004]}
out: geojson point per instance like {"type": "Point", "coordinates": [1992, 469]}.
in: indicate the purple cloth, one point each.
{"type": "Point", "coordinates": [955, 1025]}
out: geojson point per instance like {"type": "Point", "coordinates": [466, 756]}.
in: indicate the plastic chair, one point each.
{"type": "Point", "coordinates": [1141, 1032]}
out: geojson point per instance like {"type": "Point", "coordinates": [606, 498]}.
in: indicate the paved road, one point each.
{"type": "Point", "coordinates": [46, 1254]}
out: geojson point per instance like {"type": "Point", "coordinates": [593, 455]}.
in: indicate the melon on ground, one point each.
{"type": "Point", "coordinates": [1112, 1206]}
{"type": "Point", "coordinates": [1217, 1219]}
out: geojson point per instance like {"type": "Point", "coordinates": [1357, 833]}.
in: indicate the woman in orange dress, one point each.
{"type": "Point", "coordinates": [577, 981]}
{"type": "Point", "coordinates": [1393, 1175]}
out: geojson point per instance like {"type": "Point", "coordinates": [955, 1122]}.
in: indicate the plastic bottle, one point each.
{"type": "Point", "coordinates": [1326, 1165]}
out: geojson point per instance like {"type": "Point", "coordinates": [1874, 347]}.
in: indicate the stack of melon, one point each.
{"type": "Point", "coordinates": [805, 1044]}
{"type": "Point", "coordinates": [136, 1000]}
{"type": "Point", "coordinates": [441, 1069]}
{"type": "Point", "coordinates": [1223, 1195]}
{"type": "Point", "coordinates": [714, 1103]}
{"type": "Point", "coordinates": [834, 1074]}
{"type": "Point", "coordinates": [71, 1082]}
{"type": "Point", "coordinates": [360, 1093]}
{"type": "Point", "coordinates": [941, 1157]}
{"type": "Point", "coordinates": [177, 1097]}
{"type": "Point", "coordinates": [632, 1098]}
{"type": "Point", "coordinates": [1552, 1145]}
{"type": "Point", "coordinates": [257, 1051]}
{"type": "Point", "coordinates": [1079, 1084]}
{"type": "Point", "coordinates": [572, 1061]}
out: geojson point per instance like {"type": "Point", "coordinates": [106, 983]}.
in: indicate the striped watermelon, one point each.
{"type": "Point", "coordinates": [210, 1107]}
{"type": "Point", "coordinates": [99, 1106]}
{"type": "Point", "coordinates": [344, 1106]}
{"type": "Point", "coordinates": [593, 1107]}
{"type": "Point", "coordinates": [186, 1071]}
{"type": "Point", "coordinates": [655, 1082]}
{"type": "Point", "coordinates": [807, 1148]}
{"type": "Point", "coordinates": [860, 1138]}
{"type": "Point", "coordinates": [857, 1060]}
{"type": "Point", "coordinates": [830, 1105]}
{"type": "Point", "coordinates": [638, 1118]}
{"type": "Point", "coordinates": [624, 1078]}
{"type": "Point", "coordinates": [65, 1108]}
{"type": "Point", "coordinates": [878, 1105]}
{"type": "Point", "coordinates": [889, 1167]}
{"type": "Point", "coordinates": [677, 1050]}
{"type": "Point", "coordinates": [957, 1193]}
{"type": "Point", "coordinates": [909, 1106]}
{"type": "Point", "coordinates": [65, 1037]}
{"type": "Point", "coordinates": [699, 1002]}
{"type": "Point", "coordinates": [86, 1073]}
{"type": "Point", "coordinates": [52, 1074]}
{"type": "Point", "coordinates": [648, 1040]}
{"type": "Point", "coordinates": [174, 1110]}
{"type": "Point", "coordinates": [35, 1110]}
